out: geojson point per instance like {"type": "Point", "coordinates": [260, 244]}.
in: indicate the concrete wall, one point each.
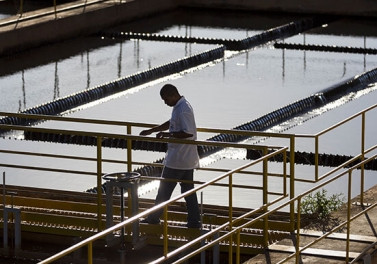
{"type": "Point", "coordinates": [337, 7]}
{"type": "Point", "coordinates": [33, 33]}
{"type": "Point", "coordinates": [41, 31]}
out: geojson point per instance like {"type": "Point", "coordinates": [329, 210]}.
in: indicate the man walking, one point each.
{"type": "Point", "coordinates": [181, 159]}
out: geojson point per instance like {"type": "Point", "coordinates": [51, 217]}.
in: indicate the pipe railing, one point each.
{"type": "Point", "coordinates": [346, 223]}
{"type": "Point", "coordinates": [292, 144]}
{"type": "Point", "coordinates": [100, 136]}
{"type": "Point", "coordinates": [236, 230]}
{"type": "Point", "coordinates": [89, 242]}
{"type": "Point", "coordinates": [316, 137]}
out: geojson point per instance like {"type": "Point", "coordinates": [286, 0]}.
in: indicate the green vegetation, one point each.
{"type": "Point", "coordinates": [318, 208]}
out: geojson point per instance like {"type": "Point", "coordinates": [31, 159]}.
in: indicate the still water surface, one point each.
{"type": "Point", "coordinates": [226, 93]}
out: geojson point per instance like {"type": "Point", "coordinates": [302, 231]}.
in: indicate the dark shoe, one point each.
{"type": "Point", "coordinates": [194, 225]}
{"type": "Point", "coordinates": [150, 221]}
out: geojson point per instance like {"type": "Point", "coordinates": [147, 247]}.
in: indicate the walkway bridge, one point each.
{"type": "Point", "coordinates": [235, 232]}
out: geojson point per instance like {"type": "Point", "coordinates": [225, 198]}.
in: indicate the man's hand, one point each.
{"type": "Point", "coordinates": [163, 135]}
{"type": "Point", "coordinates": [145, 132]}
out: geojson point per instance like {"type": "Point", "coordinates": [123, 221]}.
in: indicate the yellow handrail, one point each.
{"type": "Point", "coordinates": [234, 229]}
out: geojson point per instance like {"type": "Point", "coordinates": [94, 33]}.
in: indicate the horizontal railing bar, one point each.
{"type": "Point", "coordinates": [133, 137]}
{"type": "Point", "coordinates": [138, 124]}
{"type": "Point", "coordinates": [346, 120]}
{"type": "Point", "coordinates": [47, 169]}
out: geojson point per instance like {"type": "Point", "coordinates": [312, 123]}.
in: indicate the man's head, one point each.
{"type": "Point", "coordinates": [170, 94]}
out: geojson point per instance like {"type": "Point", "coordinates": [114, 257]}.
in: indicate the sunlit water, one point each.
{"type": "Point", "coordinates": [224, 94]}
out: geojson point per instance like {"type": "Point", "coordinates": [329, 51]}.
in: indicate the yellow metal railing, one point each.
{"type": "Point", "coordinates": [232, 222]}
{"type": "Point", "coordinates": [89, 242]}
{"type": "Point", "coordinates": [346, 223]}
{"type": "Point", "coordinates": [231, 225]}
{"type": "Point", "coordinates": [236, 231]}
{"type": "Point", "coordinates": [100, 136]}
{"type": "Point", "coordinates": [316, 137]}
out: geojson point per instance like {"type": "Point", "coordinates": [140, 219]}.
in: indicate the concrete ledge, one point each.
{"type": "Point", "coordinates": [366, 8]}
{"type": "Point", "coordinates": [26, 34]}
{"type": "Point", "coordinates": [31, 33]}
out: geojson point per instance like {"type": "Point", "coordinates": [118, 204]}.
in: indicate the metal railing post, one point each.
{"type": "Point", "coordinates": [99, 182]}
{"type": "Point", "coordinates": [292, 180]}
{"type": "Point", "coordinates": [238, 251]}
{"type": "Point", "coordinates": [21, 8]}
{"type": "Point", "coordinates": [285, 173]}
{"type": "Point", "coordinates": [349, 214]}
{"type": "Point", "coordinates": [230, 254]}
{"type": "Point", "coordinates": [129, 150]}
{"type": "Point", "coordinates": [265, 197]}
{"type": "Point", "coordinates": [316, 160]}
{"type": "Point", "coordinates": [90, 253]}
{"type": "Point", "coordinates": [216, 250]}
{"type": "Point", "coordinates": [165, 231]}
{"type": "Point", "coordinates": [298, 230]}
{"type": "Point", "coordinates": [362, 158]}
{"type": "Point", "coordinates": [56, 15]}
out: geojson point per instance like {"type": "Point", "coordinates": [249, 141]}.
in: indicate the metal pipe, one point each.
{"type": "Point", "coordinates": [4, 199]}
{"type": "Point", "coordinates": [99, 182]}
{"type": "Point", "coordinates": [349, 214]}
{"type": "Point", "coordinates": [230, 254]}
{"type": "Point", "coordinates": [362, 158]}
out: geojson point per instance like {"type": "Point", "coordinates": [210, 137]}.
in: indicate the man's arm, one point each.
{"type": "Point", "coordinates": [162, 127]}
{"type": "Point", "coordinates": [177, 134]}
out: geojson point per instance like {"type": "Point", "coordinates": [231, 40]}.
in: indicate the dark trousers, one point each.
{"type": "Point", "coordinates": [167, 187]}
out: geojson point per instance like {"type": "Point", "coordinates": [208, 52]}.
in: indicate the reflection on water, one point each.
{"type": "Point", "coordinates": [104, 60]}
{"type": "Point", "coordinates": [242, 87]}
{"type": "Point", "coordinates": [64, 77]}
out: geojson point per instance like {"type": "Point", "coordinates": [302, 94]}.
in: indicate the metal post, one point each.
{"type": "Point", "coordinates": [122, 217]}
{"type": "Point", "coordinates": [349, 198]}
{"type": "Point", "coordinates": [316, 159]}
{"type": "Point", "coordinates": [202, 244]}
{"type": "Point", "coordinates": [298, 230]}
{"type": "Point", "coordinates": [129, 150]}
{"type": "Point", "coordinates": [122, 180]}
{"type": "Point", "coordinates": [55, 9]}
{"type": "Point", "coordinates": [21, 8]}
{"type": "Point", "coordinates": [99, 183]}
{"type": "Point", "coordinates": [265, 197]}
{"type": "Point", "coordinates": [292, 180]}
{"type": "Point", "coordinates": [109, 209]}
{"type": "Point", "coordinates": [165, 231]}
{"type": "Point", "coordinates": [90, 253]}
{"type": "Point", "coordinates": [230, 254]}
{"type": "Point", "coordinates": [5, 228]}
{"type": "Point", "coordinates": [135, 210]}
{"type": "Point", "coordinates": [362, 158]}
{"type": "Point", "coordinates": [285, 173]}
{"type": "Point", "coordinates": [4, 189]}
{"type": "Point", "coordinates": [16, 214]}
{"type": "Point", "coordinates": [238, 251]}
{"type": "Point", "coordinates": [216, 250]}
{"type": "Point", "coordinates": [202, 231]}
